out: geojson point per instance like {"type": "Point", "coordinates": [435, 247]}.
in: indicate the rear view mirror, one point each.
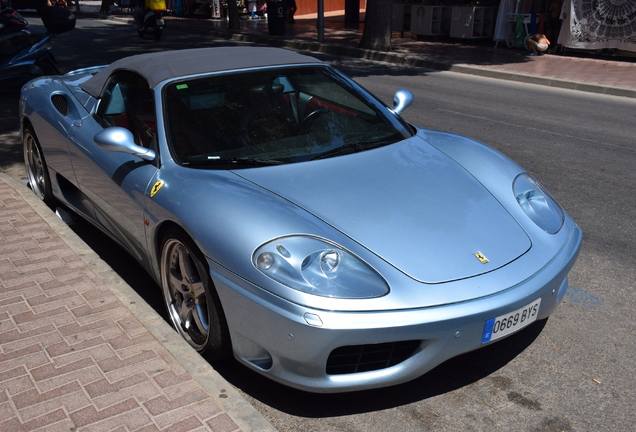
{"type": "Point", "coordinates": [402, 100]}
{"type": "Point", "coordinates": [121, 140]}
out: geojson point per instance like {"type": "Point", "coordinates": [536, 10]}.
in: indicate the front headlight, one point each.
{"type": "Point", "coordinates": [538, 204]}
{"type": "Point", "coordinates": [314, 266]}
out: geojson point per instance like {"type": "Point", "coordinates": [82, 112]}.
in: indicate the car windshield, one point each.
{"type": "Point", "coordinates": [273, 116]}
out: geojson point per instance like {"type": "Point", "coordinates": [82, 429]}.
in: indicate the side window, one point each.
{"type": "Point", "coordinates": [128, 102]}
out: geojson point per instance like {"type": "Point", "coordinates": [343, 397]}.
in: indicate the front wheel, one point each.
{"type": "Point", "coordinates": [193, 303]}
{"type": "Point", "coordinates": [37, 172]}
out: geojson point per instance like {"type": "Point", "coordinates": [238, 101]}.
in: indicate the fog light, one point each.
{"type": "Point", "coordinates": [265, 261]}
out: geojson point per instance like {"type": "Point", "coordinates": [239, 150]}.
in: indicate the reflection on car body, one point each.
{"type": "Point", "coordinates": [295, 221]}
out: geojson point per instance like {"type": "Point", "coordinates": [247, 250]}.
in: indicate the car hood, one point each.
{"type": "Point", "coordinates": [408, 203]}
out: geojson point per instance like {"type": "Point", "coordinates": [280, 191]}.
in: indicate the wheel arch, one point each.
{"type": "Point", "coordinates": [158, 238]}
{"type": "Point", "coordinates": [156, 243]}
{"type": "Point", "coordinates": [25, 123]}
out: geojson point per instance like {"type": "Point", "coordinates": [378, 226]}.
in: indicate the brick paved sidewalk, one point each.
{"type": "Point", "coordinates": [73, 357]}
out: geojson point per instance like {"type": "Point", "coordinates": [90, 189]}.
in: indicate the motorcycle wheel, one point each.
{"type": "Point", "coordinates": [157, 34]}
{"type": "Point", "coordinates": [140, 33]}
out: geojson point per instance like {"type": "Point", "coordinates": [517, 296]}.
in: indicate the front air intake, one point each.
{"type": "Point", "coordinates": [60, 103]}
{"type": "Point", "coordinates": [365, 358]}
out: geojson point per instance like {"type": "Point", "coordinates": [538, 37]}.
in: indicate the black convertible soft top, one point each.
{"type": "Point", "coordinates": [160, 66]}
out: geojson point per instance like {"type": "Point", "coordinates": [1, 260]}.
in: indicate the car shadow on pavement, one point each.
{"type": "Point", "coordinates": [456, 373]}
{"type": "Point", "coordinates": [119, 260]}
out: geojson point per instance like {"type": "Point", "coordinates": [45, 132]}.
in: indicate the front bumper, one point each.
{"type": "Point", "coordinates": [291, 344]}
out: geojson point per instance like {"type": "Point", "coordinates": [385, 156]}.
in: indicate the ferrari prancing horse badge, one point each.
{"type": "Point", "coordinates": [481, 257]}
{"type": "Point", "coordinates": [156, 187]}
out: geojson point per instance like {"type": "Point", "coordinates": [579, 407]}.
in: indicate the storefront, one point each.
{"type": "Point", "coordinates": [306, 7]}
{"type": "Point", "coordinates": [579, 24]}
{"type": "Point", "coordinates": [599, 24]}
{"type": "Point", "coordinates": [215, 8]}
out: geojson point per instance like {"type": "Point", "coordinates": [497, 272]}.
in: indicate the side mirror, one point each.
{"type": "Point", "coordinates": [118, 139]}
{"type": "Point", "coordinates": [402, 100]}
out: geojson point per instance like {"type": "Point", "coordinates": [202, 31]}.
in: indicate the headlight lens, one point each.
{"type": "Point", "coordinates": [314, 266]}
{"type": "Point", "coordinates": [538, 204]}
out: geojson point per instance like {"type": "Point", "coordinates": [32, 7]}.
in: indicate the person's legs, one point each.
{"type": "Point", "coordinates": [533, 46]}
{"type": "Point", "coordinates": [138, 14]}
{"type": "Point", "coordinates": [291, 10]}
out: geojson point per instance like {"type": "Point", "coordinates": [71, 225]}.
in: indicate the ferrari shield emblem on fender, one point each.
{"type": "Point", "coordinates": [156, 187]}
{"type": "Point", "coordinates": [481, 257]}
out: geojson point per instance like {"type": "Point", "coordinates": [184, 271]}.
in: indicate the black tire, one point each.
{"type": "Point", "coordinates": [37, 171]}
{"type": "Point", "coordinates": [193, 304]}
{"type": "Point", "coordinates": [157, 34]}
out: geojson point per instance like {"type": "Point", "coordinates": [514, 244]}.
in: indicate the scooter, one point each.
{"type": "Point", "coordinates": [24, 54]}
{"type": "Point", "coordinates": [11, 21]}
{"type": "Point", "coordinates": [149, 19]}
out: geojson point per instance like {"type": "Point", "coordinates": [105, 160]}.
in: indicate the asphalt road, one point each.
{"type": "Point", "coordinates": [573, 372]}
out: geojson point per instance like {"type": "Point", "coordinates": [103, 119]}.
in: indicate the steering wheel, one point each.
{"type": "Point", "coordinates": [309, 118]}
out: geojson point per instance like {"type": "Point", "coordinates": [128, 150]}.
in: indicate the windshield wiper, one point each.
{"type": "Point", "coordinates": [234, 161]}
{"type": "Point", "coordinates": [352, 148]}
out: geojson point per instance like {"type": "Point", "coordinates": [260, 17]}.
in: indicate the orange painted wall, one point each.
{"type": "Point", "coordinates": [311, 6]}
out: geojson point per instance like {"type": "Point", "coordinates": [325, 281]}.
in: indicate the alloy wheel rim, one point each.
{"type": "Point", "coordinates": [184, 293]}
{"type": "Point", "coordinates": [35, 167]}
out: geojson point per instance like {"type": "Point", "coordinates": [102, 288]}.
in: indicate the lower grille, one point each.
{"type": "Point", "coordinates": [364, 358]}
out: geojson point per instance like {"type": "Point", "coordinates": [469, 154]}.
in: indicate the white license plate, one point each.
{"type": "Point", "coordinates": [503, 325]}
{"type": "Point", "coordinates": [161, 22]}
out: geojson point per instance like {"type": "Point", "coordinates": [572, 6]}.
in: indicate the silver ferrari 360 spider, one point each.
{"type": "Point", "coordinates": [295, 221]}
